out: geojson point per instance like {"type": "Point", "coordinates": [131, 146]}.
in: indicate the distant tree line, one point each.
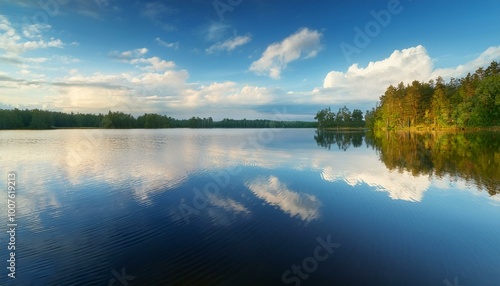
{"type": "Point", "coordinates": [43, 119]}
{"type": "Point", "coordinates": [472, 101]}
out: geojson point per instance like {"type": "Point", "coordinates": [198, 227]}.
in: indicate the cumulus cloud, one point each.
{"type": "Point", "coordinates": [304, 43]}
{"type": "Point", "coordinates": [368, 83]}
{"type": "Point", "coordinates": [405, 65]}
{"type": "Point", "coordinates": [14, 44]}
{"type": "Point", "coordinates": [229, 44]}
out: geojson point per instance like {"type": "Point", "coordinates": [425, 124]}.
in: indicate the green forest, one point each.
{"type": "Point", "coordinates": [471, 101]}
{"type": "Point", "coordinates": [42, 119]}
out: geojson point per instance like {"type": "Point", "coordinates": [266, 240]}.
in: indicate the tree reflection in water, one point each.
{"type": "Point", "coordinates": [343, 139]}
{"type": "Point", "coordinates": [472, 156]}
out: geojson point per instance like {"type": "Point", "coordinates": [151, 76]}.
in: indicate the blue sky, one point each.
{"type": "Point", "coordinates": [233, 58]}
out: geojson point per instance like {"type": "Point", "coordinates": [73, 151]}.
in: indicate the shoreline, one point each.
{"type": "Point", "coordinates": [102, 128]}
{"type": "Point", "coordinates": [446, 129]}
{"type": "Point", "coordinates": [344, 129]}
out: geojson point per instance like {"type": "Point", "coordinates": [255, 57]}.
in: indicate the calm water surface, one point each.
{"type": "Point", "coordinates": [251, 207]}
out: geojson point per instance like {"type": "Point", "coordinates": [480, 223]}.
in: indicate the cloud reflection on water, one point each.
{"type": "Point", "coordinates": [276, 193]}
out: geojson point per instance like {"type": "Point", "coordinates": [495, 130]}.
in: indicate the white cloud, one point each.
{"type": "Point", "coordinates": [275, 193]}
{"type": "Point", "coordinates": [253, 95]}
{"type": "Point", "coordinates": [174, 45]}
{"type": "Point", "coordinates": [32, 45]}
{"type": "Point", "coordinates": [14, 44]}
{"type": "Point", "coordinates": [34, 31]}
{"type": "Point", "coordinates": [304, 43]}
{"type": "Point", "coordinates": [218, 91]}
{"type": "Point", "coordinates": [406, 65]}
{"type": "Point", "coordinates": [368, 83]}
{"type": "Point", "coordinates": [229, 44]}
{"type": "Point", "coordinates": [226, 94]}
{"type": "Point", "coordinates": [167, 81]}
{"type": "Point", "coordinates": [153, 64]}
{"type": "Point", "coordinates": [136, 57]}
{"type": "Point", "coordinates": [484, 60]}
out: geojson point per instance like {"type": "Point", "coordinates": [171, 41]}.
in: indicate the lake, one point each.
{"type": "Point", "coordinates": [251, 207]}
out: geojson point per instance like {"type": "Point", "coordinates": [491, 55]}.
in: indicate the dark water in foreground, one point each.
{"type": "Point", "coordinates": [251, 207]}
